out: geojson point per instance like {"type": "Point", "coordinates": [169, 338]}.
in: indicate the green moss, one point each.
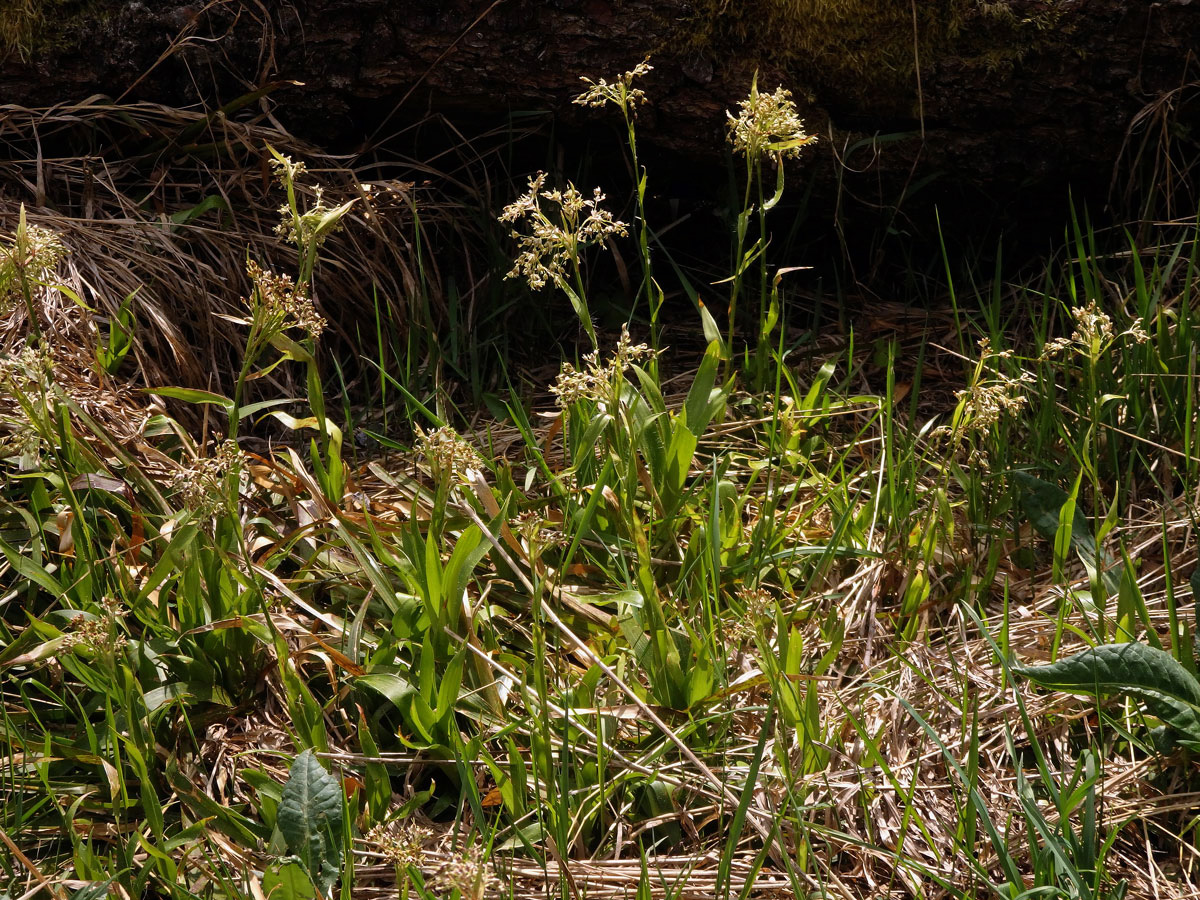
{"type": "Point", "coordinates": [29, 28]}
{"type": "Point", "coordinates": [865, 51]}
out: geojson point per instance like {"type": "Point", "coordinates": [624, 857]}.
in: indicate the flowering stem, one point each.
{"type": "Point", "coordinates": [580, 293]}
{"type": "Point", "coordinates": [743, 226]}
{"type": "Point", "coordinates": [647, 285]}
{"type": "Point", "coordinates": [760, 351]}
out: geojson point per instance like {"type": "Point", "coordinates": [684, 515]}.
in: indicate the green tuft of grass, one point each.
{"type": "Point", "coordinates": [752, 622]}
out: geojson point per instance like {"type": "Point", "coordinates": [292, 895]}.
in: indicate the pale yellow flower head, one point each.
{"type": "Point", "coordinates": [620, 92]}
{"type": "Point", "coordinates": [768, 125]}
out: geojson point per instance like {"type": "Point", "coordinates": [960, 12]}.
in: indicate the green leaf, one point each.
{"type": "Point", "coordinates": [290, 349]}
{"type": "Point", "coordinates": [212, 201]}
{"type": "Point", "coordinates": [179, 691]}
{"type": "Point", "coordinates": [1153, 676]}
{"type": "Point", "coordinates": [96, 890]}
{"type": "Point", "coordinates": [378, 780]}
{"type": "Point", "coordinates": [1064, 534]}
{"type": "Point", "coordinates": [192, 395]}
{"type": "Point", "coordinates": [287, 881]}
{"type": "Point", "coordinates": [31, 571]}
{"type": "Point", "coordinates": [310, 820]}
{"type": "Point", "coordinates": [705, 398]}
{"type": "Point", "coordinates": [712, 332]}
{"type": "Point", "coordinates": [1043, 505]}
{"type": "Point", "coordinates": [389, 684]}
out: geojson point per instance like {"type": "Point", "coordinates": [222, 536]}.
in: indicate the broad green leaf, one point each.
{"type": "Point", "coordinates": [701, 677]}
{"type": "Point", "coordinates": [1153, 676]}
{"type": "Point", "coordinates": [678, 459]}
{"type": "Point", "coordinates": [327, 222]}
{"type": "Point", "coordinates": [1043, 504]}
{"type": "Point", "coordinates": [391, 685]}
{"type": "Point", "coordinates": [251, 409]}
{"type": "Point", "coordinates": [469, 550]}
{"type": "Point", "coordinates": [1064, 534]}
{"type": "Point", "coordinates": [706, 399]}
{"type": "Point", "coordinates": [31, 571]}
{"type": "Point", "coordinates": [287, 881]}
{"type": "Point", "coordinates": [289, 349]}
{"type": "Point", "coordinates": [817, 389]}
{"type": "Point", "coordinates": [310, 820]}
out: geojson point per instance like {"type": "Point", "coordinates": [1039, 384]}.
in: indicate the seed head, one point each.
{"type": "Point", "coordinates": [24, 371]}
{"type": "Point", "coordinates": [1094, 334]}
{"type": "Point", "coordinates": [992, 395]}
{"type": "Point", "coordinates": [277, 303]}
{"type": "Point", "coordinates": [400, 842]}
{"type": "Point", "coordinates": [598, 381]}
{"type": "Point", "coordinates": [99, 634]}
{"type": "Point", "coordinates": [468, 873]}
{"type": "Point", "coordinates": [32, 256]}
{"type": "Point", "coordinates": [448, 455]}
{"type": "Point", "coordinates": [305, 225]}
{"type": "Point", "coordinates": [620, 92]}
{"type": "Point", "coordinates": [201, 485]}
{"type": "Point", "coordinates": [768, 125]}
{"type": "Point", "coordinates": [556, 236]}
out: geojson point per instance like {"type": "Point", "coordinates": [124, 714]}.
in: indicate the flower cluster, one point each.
{"type": "Point", "coordinates": [24, 378]}
{"type": "Point", "coordinates": [295, 227]}
{"type": "Point", "coordinates": [758, 612]}
{"type": "Point", "coordinates": [992, 395]}
{"type": "Point", "coordinates": [758, 604]}
{"type": "Point", "coordinates": [24, 444]}
{"type": "Point", "coordinates": [400, 843]}
{"type": "Point", "coordinates": [598, 382]}
{"type": "Point", "coordinates": [31, 257]}
{"type": "Point", "coordinates": [307, 228]}
{"type": "Point", "coordinates": [449, 456]}
{"type": "Point", "coordinates": [99, 634]}
{"type": "Point", "coordinates": [620, 92]}
{"type": "Point", "coordinates": [468, 873]}
{"type": "Point", "coordinates": [201, 485]}
{"type": "Point", "coordinates": [537, 532]}
{"type": "Point", "coordinates": [768, 124]}
{"type": "Point", "coordinates": [553, 244]}
{"type": "Point", "coordinates": [24, 371]}
{"type": "Point", "coordinates": [277, 303]}
{"type": "Point", "coordinates": [1094, 333]}
{"type": "Point", "coordinates": [985, 402]}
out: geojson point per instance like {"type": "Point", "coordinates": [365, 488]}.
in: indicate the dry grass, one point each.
{"type": "Point", "coordinates": [167, 203]}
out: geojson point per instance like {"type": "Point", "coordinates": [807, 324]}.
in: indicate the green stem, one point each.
{"type": "Point", "coordinates": [743, 221]}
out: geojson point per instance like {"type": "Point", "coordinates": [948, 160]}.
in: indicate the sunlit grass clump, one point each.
{"type": "Point", "coordinates": [771, 626]}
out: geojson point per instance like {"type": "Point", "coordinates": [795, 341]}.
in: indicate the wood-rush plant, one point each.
{"type": "Point", "coordinates": [27, 264]}
{"type": "Point", "coordinates": [767, 129]}
{"type": "Point", "coordinates": [550, 251]}
{"type": "Point", "coordinates": [625, 97]}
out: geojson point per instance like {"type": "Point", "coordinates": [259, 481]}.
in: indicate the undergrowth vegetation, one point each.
{"type": "Point", "coordinates": [766, 620]}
